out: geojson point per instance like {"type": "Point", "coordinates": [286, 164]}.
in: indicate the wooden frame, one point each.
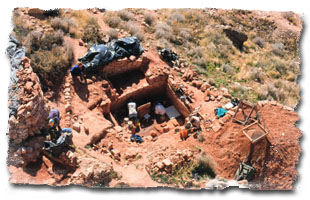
{"type": "Point", "coordinates": [242, 105]}
{"type": "Point", "coordinates": [258, 138]}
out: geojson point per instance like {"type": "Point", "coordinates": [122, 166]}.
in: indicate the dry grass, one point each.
{"type": "Point", "coordinates": [126, 15]}
{"type": "Point", "coordinates": [163, 30]}
{"type": "Point", "coordinates": [92, 33]}
{"type": "Point", "coordinates": [112, 33]}
{"type": "Point", "coordinates": [134, 29]}
{"type": "Point", "coordinates": [112, 19]}
{"type": "Point", "coordinates": [149, 17]}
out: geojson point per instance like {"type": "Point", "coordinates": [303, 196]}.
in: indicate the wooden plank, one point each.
{"type": "Point", "coordinates": [113, 119]}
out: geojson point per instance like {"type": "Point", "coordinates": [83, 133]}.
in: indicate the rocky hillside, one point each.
{"type": "Point", "coordinates": [264, 67]}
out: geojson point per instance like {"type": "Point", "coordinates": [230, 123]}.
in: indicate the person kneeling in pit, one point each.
{"type": "Point", "coordinates": [160, 110]}
{"type": "Point", "coordinates": [78, 70]}
{"type": "Point", "coordinates": [195, 121]}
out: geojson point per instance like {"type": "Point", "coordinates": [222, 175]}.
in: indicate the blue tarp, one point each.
{"type": "Point", "coordinates": [220, 112]}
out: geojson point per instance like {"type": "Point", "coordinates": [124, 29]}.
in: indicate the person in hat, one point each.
{"type": "Point", "coordinates": [54, 128]}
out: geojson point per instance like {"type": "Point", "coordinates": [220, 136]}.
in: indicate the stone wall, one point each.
{"type": "Point", "coordinates": [125, 65]}
{"type": "Point", "coordinates": [177, 103]}
{"type": "Point", "coordinates": [31, 112]}
{"type": "Point", "coordinates": [142, 91]}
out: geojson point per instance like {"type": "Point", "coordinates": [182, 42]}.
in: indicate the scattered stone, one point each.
{"type": "Point", "coordinates": [28, 86]}
{"type": "Point", "coordinates": [204, 86]}
{"type": "Point", "coordinates": [81, 43]}
{"type": "Point", "coordinates": [76, 127]}
{"type": "Point", "coordinates": [167, 162]}
{"type": "Point", "coordinates": [166, 129]}
{"type": "Point", "coordinates": [68, 107]}
{"type": "Point", "coordinates": [86, 129]}
{"type": "Point", "coordinates": [216, 127]}
{"type": "Point", "coordinates": [110, 146]}
{"type": "Point", "coordinates": [89, 81]}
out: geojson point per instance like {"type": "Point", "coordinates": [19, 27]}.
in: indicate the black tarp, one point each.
{"type": "Point", "coordinates": [100, 55]}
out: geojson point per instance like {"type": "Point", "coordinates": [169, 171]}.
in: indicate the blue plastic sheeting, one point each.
{"type": "Point", "coordinates": [136, 138]}
{"type": "Point", "coordinates": [15, 53]}
{"type": "Point", "coordinates": [220, 112]}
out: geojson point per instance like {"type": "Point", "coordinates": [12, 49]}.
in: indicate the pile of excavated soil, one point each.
{"type": "Point", "coordinates": [275, 164]}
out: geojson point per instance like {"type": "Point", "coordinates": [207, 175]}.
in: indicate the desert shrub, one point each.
{"type": "Point", "coordinates": [149, 17]}
{"type": "Point", "coordinates": [34, 40]}
{"type": "Point", "coordinates": [50, 56]}
{"type": "Point", "coordinates": [92, 33]}
{"type": "Point", "coordinates": [239, 91]}
{"type": "Point", "coordinates": [185, 33]}
{"type": "Point", "coordinates": [254, 74]}
{"type": "Point", "coordinates": [204, 167]}
{"type": "Point", "coordinates": [112, 33]}
{"type": "Point", "coordinates": [163, 30]}
{"type": "Point", "coordinates": [37, 40]}
{"type": "Point", "coordinates": [63, 24]}
{"type": "Point", "coordinates": [196, 52]}
{"type": "Point", "coordinates": [163, 43]}
{"type": "Point", "coordinates": [259, 42]}
{"type": "Point", "coordinates": [217, 44]}
{"type": "Point", "coordinates": [278, 49]}
{"type": "Point", "coordinates": [51, 65]}
{"type": "Point", "coordinates": [201, 62]}
{"type": "Point", "coordinates": [134, 29]}
{"type": "Point", "coordinates": [176, 17]}
{"type": "Point", "coordinates": [201, 138]}
{"type": "Point", "coordinates": [113, 21]}
{"type": "Point", "coordinates": [126, 15]}
{"type": "Point", "coordinates": [262, 92]}
{"type": "Point", "coordinates": [279, 66]}
{"type": "Point", "coordinates": [227, 68]}
{"type": "Point", "coordinates": [275, 93]}
{"type": "Point", "coordinates": [193, 15]}
{"type": "Point", "coordinates": [294, 67]}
